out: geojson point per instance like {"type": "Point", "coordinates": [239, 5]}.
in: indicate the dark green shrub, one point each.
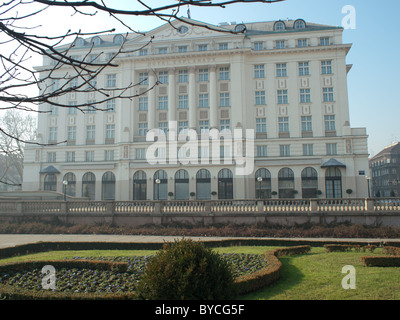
{"type": "Point", "coordinates": [186, 270]}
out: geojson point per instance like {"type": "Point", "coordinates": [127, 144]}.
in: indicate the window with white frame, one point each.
{"type": "Point", "coordinates": [281, 70]}
{"type": "Point", "coordinates": [163, 50]}
{"type": "Point", "coordinates": [224, 99]}
{"type": "Point", "coordinates": [283, 97]}
{"type": "Point", "coordinates": [142, 129]}
{"type": "Point", "coordinates": [203, 47]}
{"type": "Point", "coordinates": [204, 126]}
{"type": "Point", "coordinates": [203, 100]}
{"type": "Point", "coordinates": [330, 123]}
{"type": "Point", "coordinates": [51, 157]}
{"type": "Point", "coordinates": [163, 126]}
{"type": "Point", "coordinates": [203, 74]}
{"type": "Point", "coordinates": [70, 156]}
{"type": "Point", "coordinates": [283, 124]}
{"type": "Point", "coordinates": [308, 149]}
{"type": "Point", "coordinates": [53, 134]}
{"type": "Point", "coordinates": [111, 80]}
{"type": "Point", "coordinates": [284, 150]}
{"type": "Point", "coordinates": [280, 44]}
{"type": "Point", "coordinates": [143, 103]}
{"type": "Point", "coordinates": [302, 43]}
{"type": "Point", "coordinates": [183, 101]}
{"type": "Point", "coordinates": [306, 123]}
{"type": "Point", "coordinates": [89, 156]}
{"type": "Point", "coordinates": [331, 149]}
{"type": "Point", "coordinates": [305, 95]}
{"type": "Point", "coordinates": [163, 103]}
{"type": "Point", "coordinates": [140, 154]}
{"type": "Point", "coordinates": [225, 125]}
{"type": "Point", "coordinates": [143, 52]}
{"type": "Point", "coordinates": [182, 49]}
{"type": "Point", "coordinates": [262, 151]}
{"type": "Point", "coordinates": [223, 46]}
{"type": "Point", "coordinates": [259, 71]}
{"type": "Point", "coordinates": [328, 95]}
{"type": "Point", "coordinates": [71, 133]}
{"type": "Point", "coordinates": [304, 68]}
{"type": "Point", "coordinates": [261, 125]}
{"type": "Point", "coordinates": [163, 77]}
{"type": "Point", "coordinates": [260, 97]}
{"type": "Point", "coordinates": [326, 67]}
{"type": "Point", "coordinates": [109, 155]}
{"type": "Point", "coordinates": [110, 105]}
{"type": "Point", "coordinates": [144, 78]}
{"type": "Point", "coordinates": [110, 131]}
{"type": "Point", "coordinates": [183, 76]}
{"type": "Point", "coordinates": [72, 110]}
{"type": "Point", "coordinates": [183, 126]}
{"type": "Point", "coordinates": [324, 41]}
{"type": "Point", "coordinates": [258, 45]}
{"type": "Point", "coordinates": [224, 73]}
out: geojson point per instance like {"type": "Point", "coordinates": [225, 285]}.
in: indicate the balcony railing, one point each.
{"type": "Point", "coordinates": [207, 207]}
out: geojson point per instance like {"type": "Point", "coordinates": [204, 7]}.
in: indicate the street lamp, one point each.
{"type": "Point", "coordinates": [259, 179]}
{"type": "Point", "coordinates": [65, 183]}
{"type": "Point", "coordinates": [158, 181]}
{"type": "Point", "coordinates": [369, 187]}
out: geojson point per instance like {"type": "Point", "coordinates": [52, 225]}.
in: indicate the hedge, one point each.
{"type": "Point", "coordinates": [270, 274]}
{"type": "Point", "coordinates": [393, 251]}
{"type": "Point", "coordinates": [381, 261]}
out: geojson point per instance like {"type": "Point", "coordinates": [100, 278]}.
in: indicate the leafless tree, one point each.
{"type": "Point", "coordinates": [23, 87]}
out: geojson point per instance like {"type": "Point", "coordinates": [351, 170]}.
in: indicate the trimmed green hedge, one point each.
{"type": "Point", "coordinates": [381, 261]}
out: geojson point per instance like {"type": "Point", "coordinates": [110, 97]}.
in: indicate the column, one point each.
{"type": "Point", "coordinates": [192, 99]}
{"type": "Point", "coordinates": [213, 98]}
{"type": "Point", "coordinates": [151, 113]}
{"type": "Point", "coordinates": [171, 95]}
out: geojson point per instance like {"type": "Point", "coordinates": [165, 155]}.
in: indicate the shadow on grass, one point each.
{"type": "Point", "coordinates": [291, 276]}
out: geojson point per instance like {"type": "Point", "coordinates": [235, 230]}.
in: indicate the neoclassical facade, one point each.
{"type": "Point", "coordinates": [282, 83]}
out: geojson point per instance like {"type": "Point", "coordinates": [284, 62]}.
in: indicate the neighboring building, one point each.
{"type": "Point", "coordinates": [286, 80]}
{"type": "Point", "coordinates": [385, 172]}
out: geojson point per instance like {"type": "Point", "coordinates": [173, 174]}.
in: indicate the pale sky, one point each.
{"type": "Point", "coordinates": [372, 82]}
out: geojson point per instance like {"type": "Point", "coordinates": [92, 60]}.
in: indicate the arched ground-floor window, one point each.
{"type": "Point", "coordinates": [286, 183]}
{"type": "Point", "coordinates": [333, 183]}
{"type": "Point", "coordinates": [203, 184]}
{"type": "Point", "coordinates": [108, 186]}
{"type": "Point", "coordinates": [225, 184]}
{"type": "Point", "coordinates": [263, 184]}
{"type": "Point", "coordinates": [50, 182]}
{"type": "Point", "coordinates": [160, 185]}
{"type": "Point", "coordinates": [140, 185]}
{"type": "Point", "coordinates": [89, 185]}
{"type": "Point", "coordinates": [181, 185]}
{"type": "Point", "coordinates": [309, 183]}
{"type": "Point", "coordinates": [71, 184]}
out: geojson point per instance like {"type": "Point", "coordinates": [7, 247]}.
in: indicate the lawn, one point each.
{"type": "Point", "coordinates": [314, 276]}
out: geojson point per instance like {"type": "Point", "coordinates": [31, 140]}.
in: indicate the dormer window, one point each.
{"type": "Point", "coordinates": [118, 39]}
{"type": "Point", "coordinates": [183, 29]}
{"type": "Point", "coordinates": [80, 42]}
{"type": "Point", "coordinates": [299, 24]}
{"type": "Point", "coordinates": [279, 26]}
{"type": "Point", "coordinates": [96, 41]}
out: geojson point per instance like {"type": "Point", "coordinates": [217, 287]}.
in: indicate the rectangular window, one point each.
{"type": "Point", "coordinates": [110, 131]}
{"type": "Point", "coordinates": [280, 44]}
{"type": "Point", "coordinates": [260, 98]}
{"type": "Point", "coordinates": [110, 105]}
{"type": "Point", "coordinates": [261, 125]}
{"type": "Point", "coordinates": [163, 50]}
{"type": "Point", "coordinates": [283, 124]}
{"type": "Point", "coordinates": [90, 108]}
{"type": "Point", "coordinates": [302, 43]}
{"type": "Point", "coordinates": [225, 125]}
{"type": "Point", "coordinates": [143, 52]}
{"type": "Point", "coordinates": [163, 126]}
{"type": "Point", "coordinates": [284, 150]}
{"type": "Point", "coordinates": [325, 41]}
{"type": "Point", "coordinates": [143, 78]}
{"type": "Point", "coordinates": [89, 156]}
{"type": "Point", "coordinates": [163, 77]}
{"type": "Point", "coordinates": [326, 67]}
{"type": "Point", "coordinates": [331, 149]}
{"type": "Point", "coordinates": [183, 126]}
{"type": "Point", "coordinates": [203, 100]}
{"type": "Point", "coordinates": [224, 99]}
{"type": "Point", "coordinates": [143, 103]}
{"type": "Point", "coordinates": [51, 157]}
{"type": "Point", "coordinates": [262, 151]}
{"type": "Point", "coordinates": [72, 110]}
{"type": "Point", "coordinates": [304, 69]}
{"type": "Point", "coordinates": [182, 49]}
{"type": "Point", "coordinates": [70, 156]}
{"type": "Point", "coordinates": [305, 95]}
{"type": "Point", "coordinates": [203, 74]}
{"type": "Point", "coordinates": [109, 155]}
{"type": "Point", "coordinates": [306, 123]}
{"type": "Point", "coordinates": [203, 47]}
{"type": "Point", "coordinates": [259, 45]}
{"type": "Point", "coordinates": [183, 76]}
{"type": "Point", "coordinates": [281, 70]}
{"type": "Point", "coordinates": [111, 80]}
{"type": "Point", "coordinates": [328, 95]}
{"type": "Point", "coordinates": [163, 103]}
{"type": "Point", "coordinates": [204, 126]}
{"type": "Point", "coordinates": [183, 102]}
{"type": "Point", "coordinates": [53, 134]}
{"type": "Point", "coordinates": [54, 110]}
{"type": "Point", "coordinates": [142, 129]}
{"type": "Point", "coordinates": [330, 123]}
{"type": "Point", "coordinates": [224, 73]}
{"type": "Point", "coordinates": [283, 97]}
{"type": "Point", "coordinates": [71, 135]}
{"type": "Point", "coordinates": [308, 149]}
{"type": "Point", "coordinates": [140, 154]}
{"type": "Point", "coordinates": [223, 46]}
{"type": "Point", "coordinates": [259, 72]}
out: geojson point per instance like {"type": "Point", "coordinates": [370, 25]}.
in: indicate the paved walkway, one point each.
{"type": "Point", "coordinates": [10, 240]}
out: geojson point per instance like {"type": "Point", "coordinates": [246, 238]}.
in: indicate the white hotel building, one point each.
{"type": "Point", "coordinates": [286, 80]}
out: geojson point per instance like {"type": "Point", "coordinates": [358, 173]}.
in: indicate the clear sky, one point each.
{"type": "Point", "coordinates": [373, 82]}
